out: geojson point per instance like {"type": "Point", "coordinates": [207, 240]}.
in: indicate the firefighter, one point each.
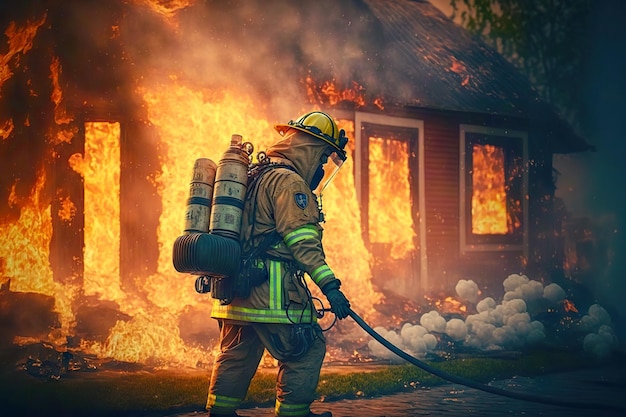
{"type": "Point", "coordinates": [281, 228]}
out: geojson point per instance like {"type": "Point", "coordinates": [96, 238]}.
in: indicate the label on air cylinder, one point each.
{"type": "Point", "coordinates": [225, 220]}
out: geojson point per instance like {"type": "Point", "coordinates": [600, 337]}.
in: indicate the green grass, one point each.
{"type": "Point", "coordinates": [164, 392]}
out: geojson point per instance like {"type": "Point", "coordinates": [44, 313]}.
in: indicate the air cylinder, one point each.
{"type": "Point", "coordinates": [197, 214]}
{"type": "Point", "coordinates": [229, 191]}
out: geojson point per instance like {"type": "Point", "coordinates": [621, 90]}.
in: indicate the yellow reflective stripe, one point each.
{"type": "Point", "coordinates": [276, 286]}
{"type": "Point", "coordinates": [301, 233]}
{"type": "Point", "coordinates": [321, 272]}
{"type": "Point", "coordinates": [259, 315]}
{"type": "Point", "coordinates": [223, 402]}
{"type": "Point", "coordinates": [295, 410]}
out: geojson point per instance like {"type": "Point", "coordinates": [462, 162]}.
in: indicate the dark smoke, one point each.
{"type": "Point", "coordinates": [592, 184]}
{"type": "Point", "coordinates": [107, 49]}
{"type": "Point", "coordinates": [267, 48]}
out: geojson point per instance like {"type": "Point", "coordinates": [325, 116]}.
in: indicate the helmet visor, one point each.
{"type": "Point", "coordinates": [331, 167]}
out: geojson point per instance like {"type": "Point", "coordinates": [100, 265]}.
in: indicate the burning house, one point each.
{"type": "Point", "coordinates": [106, 105]}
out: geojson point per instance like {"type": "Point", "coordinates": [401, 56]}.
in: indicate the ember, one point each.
{"type": "Point", "coordinates": [569, 306]}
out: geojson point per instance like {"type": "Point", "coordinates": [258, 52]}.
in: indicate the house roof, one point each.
{"type": "Point", "coordinates": [449, 69]}
{"type": "Point", "coordinates": [406, 52]}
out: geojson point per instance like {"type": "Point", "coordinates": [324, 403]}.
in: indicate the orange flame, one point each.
{"type": "Point", "coordinates": [489, 211]}
{"type": "Point", "coordinates": [204, 122]}
{"type": "Point", "coordinates": [166, 9]}
{"type": "Point", "coordinates": [349, 261]}
{"type": "Point", "coordinates": [60, 115]}
{"type": "Point", "coordinates": [328, 93]}
{"type": "Point", "coordinates": [191, 123]}
{"type": "Point", "coordinates": [450, 305]}
{"type": "Point", "coordinates": [569, 306]}
{"type": "Point", "coordinates": [24, 247]}
{"type": "Point", "coordinates": [100, 169]}
{"type": "Point", "coordinates": [6, 128]}
{"type": "Point", "coordinates": [20, 41]}
{"type": "Point", "coordinates": [389, 187]}
{"type": "Point", "coordinates": [460, 69]}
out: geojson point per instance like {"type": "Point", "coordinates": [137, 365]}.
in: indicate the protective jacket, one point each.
{"type": "Point", "coordinates": [283, 207]}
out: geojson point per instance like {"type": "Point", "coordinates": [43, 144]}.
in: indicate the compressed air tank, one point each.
{"type": "Point", "coordinates": [229, 190]}
{"type": "Point", "coordinates": [216, 256]}
{"type": "Point", "coordinates": [197, 214]}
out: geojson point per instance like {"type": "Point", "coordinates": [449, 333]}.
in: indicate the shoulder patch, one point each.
{"type": "Point", "coordinates": [302, 200]}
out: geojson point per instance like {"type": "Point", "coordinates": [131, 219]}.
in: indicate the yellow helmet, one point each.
{"type": "Point", "coordinates": [320, 125]}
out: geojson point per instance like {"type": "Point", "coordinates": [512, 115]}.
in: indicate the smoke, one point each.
{"type": "Point", "coordinates": [467, 290]}
{"type": "Point", "coordinates": [265, 49]}
{"type": "Point", "coordinates": [554, 293]}
{"type": "Point", "coordinates": [433, 322]}
{"type": "Point", "coordinates": [601, 338]}
{"type": "Point", "coordinates": [507, 325]}
{"type": "Point", "coordinates": [413, 339]}
{"type": "Point", "coordinates": [111, 57]}
{"type": "Point", "coordinates": [589, 182]}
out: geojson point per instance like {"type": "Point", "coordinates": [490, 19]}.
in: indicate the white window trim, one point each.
{"type": "Point", "coordinates": [379, 119]}
{"type": "Point", "coordinates": [514, 135]}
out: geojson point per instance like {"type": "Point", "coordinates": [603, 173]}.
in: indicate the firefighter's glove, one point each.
{"type": "Point", "coordinates": [339, 304]}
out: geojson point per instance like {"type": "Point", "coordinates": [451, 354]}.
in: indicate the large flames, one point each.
{"type": "Point", "coordinates": [389, 187]}
{"type": "Point", "coordinates": [191, 123]}
{"type": "Point", "coordinates": [100, 170]}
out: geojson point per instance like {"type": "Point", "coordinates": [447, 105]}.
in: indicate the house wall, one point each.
{"type": "Point", "coordinates": [446, 262]}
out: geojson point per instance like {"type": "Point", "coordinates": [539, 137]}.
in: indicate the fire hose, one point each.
{"type": "Point", "coordinates": [477, 385]}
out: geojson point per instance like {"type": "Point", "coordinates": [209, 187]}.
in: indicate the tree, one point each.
{"type": "Point", "coordinates": [545, 39]}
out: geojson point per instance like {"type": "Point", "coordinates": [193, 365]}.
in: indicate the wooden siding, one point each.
{"type": "Point", "coordinates": [446, 263]}
{"type": "Point", "coordinates": [441, 160]}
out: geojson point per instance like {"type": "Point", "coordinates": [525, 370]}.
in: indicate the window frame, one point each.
{"type": "Point", "coordinates": [361, 160]}
{"type": "Point", "coordinates": [497, 243]}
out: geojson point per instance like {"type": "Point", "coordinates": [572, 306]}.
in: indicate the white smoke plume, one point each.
{"type": "Point", "coordinates": [467, 290]}
{"type": "Point", "coordinates": [600, 339]}
{"type": "Point", "coordinates": [413, 339]}
{"type": "Point", "coordinates": [507, 325]}
{"type": "Point", "coordinates": [554, 293]}
{"type": "Point", "coordinates": [433, 322]}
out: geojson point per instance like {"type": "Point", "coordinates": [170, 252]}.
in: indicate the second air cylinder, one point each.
{"type": "Point", "coordinates": [229, 190]}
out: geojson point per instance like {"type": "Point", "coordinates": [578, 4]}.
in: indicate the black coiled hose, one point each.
{"type": "Point", "coordinates": [473, 384]}
{"type": "Point", "coordinates": [206, 254]}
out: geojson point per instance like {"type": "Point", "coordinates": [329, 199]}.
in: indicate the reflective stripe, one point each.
{"type": "Point", "coordinates": [321, 272]}
{"type": "Point", "coordinates": [223, 403]}
{"type": "Point", "coordinates": [260, 315]}
{"type": "Point", "coordinates": [276, 285]}
{"type": "Point", "coordinates": [295, 410]}
{"type": "Point", "coordinates": [301, 233]}
{"type": "Point", "coordinates": [276, 311]}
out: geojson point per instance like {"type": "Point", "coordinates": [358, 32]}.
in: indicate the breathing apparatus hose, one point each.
{"type": "Point", "coordinates": [473, 384]}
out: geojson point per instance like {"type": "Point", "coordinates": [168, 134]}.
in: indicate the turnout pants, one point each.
{"type": "Point", "coordinates": [241, 350]}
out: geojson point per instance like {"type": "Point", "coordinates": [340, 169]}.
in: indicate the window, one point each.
{"type": "Point", "coordinates": [390, 184]}
{"type": "Point", "coordinates": [493, 189]}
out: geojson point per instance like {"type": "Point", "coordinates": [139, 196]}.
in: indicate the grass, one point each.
{"type": "Point", "coordinates": [167, 392]}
